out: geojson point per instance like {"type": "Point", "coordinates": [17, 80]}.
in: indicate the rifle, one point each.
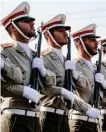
{"type": "Point", "coordinates": [96, 98]}
{"type": "Point", "coordinates": [36, 82]}
{"type": "Point", "coordinates": [68, 74]}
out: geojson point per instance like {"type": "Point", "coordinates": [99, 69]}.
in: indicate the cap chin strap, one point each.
{"type": "Point", "coordinates": [84, 47]}
{"type": "Point", "coordinates": [20, 31]}
{"type": "Point", "coordinates": [53, 39]}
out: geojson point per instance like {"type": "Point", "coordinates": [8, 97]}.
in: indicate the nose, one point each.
{"type": "Point", "coordinates": [97, 42]}
{"type": "Point", "coordinates": [32, 23]}
{"type": "Point", "coordinates": [65, 33]}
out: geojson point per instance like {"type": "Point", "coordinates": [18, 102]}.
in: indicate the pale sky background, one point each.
{"type": "Point", "coordinates": [79, 13]}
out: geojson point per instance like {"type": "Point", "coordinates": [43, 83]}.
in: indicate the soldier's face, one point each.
{"type": "Point", "coordinates": [27, 28]}
{"type": "Point", "coordinates": [60, 36]}
{"type": "Point", "coordinates": [91, 44]}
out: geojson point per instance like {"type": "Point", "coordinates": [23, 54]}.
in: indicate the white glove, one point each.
{"type": "Point", "coordinates": [38, 63]}
{"type": "Point", "coordinates": [68, 95]}
{"type": "Point", "coordinates": [1, 63]}
{"type": "Point", "coordinates": [72, 66]}
{"type": "Point", "coordinates": [93, 113]}
{"type": "Point", "coordinates": [31, 94]}
{"type": "Point", "coordinates": [99, 77]}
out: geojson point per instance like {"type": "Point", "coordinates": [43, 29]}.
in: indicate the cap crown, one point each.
{"type": "Point", "coordinates": [58, 20]}
{"type": "Point", "coordinates": [21, 11]}
{"type": "Point", "coordinates": [88, 30]}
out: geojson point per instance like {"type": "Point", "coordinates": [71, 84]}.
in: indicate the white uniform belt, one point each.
{"type": "Point", "coordinates": [84, 118]}
{"type": "Point", "coordinates": [21, 112]}
{"type": "Point", "coordinates": [54, 110]}
{"type": "Point", "coordinates": [103, 111]}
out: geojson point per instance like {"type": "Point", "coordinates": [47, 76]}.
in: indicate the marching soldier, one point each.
{"type": "Point", "coordinates": [86, 44]}
{"type": "Point", "coordinates": [54, 113]}
{"type": "Point", "coordinates": [17, 114]}
{"type": "Point", "coordinates": [101, 78]}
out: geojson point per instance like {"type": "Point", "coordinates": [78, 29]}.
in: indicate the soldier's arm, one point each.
{"type": "Point", "coordinates": [50, 78]}
{"type": "Point", "coordinates": [80, 105]}
{"type": "Point", "coordinates": [11, 72]}
{"type": "Point", "coordinates": [51, 90]}
{"type": "Point", "coordinates": [82, 83]}
{"type": "Point", "coordinates": [10, 90]}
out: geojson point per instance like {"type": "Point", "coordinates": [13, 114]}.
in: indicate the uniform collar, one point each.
{"type": "Point", "coordinates": [86, 63]}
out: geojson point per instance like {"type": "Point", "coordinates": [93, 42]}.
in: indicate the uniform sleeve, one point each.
{"type": "Point", "coordinates": [51, 90]}
{"type": "Point", "coordinates": [103, 98]}
{"type": "Point", "coordinates": [80, 105]}
{"type": "Point", "coordinates": [50, 78]}
{"type": "Point", "coordinates": [11, 72]}
{"type": "Point", "coordinates": [10, 90]}
{"type": "Point", "coordinates": [82, 83]}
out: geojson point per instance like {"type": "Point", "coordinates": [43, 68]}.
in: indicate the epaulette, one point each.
{"type": "Point", "coordinates": [6, 45]}
{"type": "Point", "coordinates": [45, 52]}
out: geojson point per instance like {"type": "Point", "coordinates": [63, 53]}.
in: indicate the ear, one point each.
{"type": "Point", "coordinates": [46, 34]}
{"type": "Point", "coordinates": [13, 28]}
{"type": "Point", "coordinates": [78, 43]}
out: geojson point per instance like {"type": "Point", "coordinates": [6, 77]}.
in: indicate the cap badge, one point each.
{"type": "Point", "coordinates": [62, 20]}
{"type": "Point", "coordinates": [26, 10]}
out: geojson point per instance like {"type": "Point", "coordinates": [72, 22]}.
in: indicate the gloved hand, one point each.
{"type": "Point", "coordinates": [1, 63]}
{"type": "Point", "coordinates": [99, 77]}
{"type": "Point", "coordinates": [31, 94]}
{"type": "Point", "coordinates": [38, 63]}
{"type": "Point", "coordinates": [72, 66]}
{"type": "Point", "coordinates": [93, 113]}
{"type": "Point", "coordinates": [68, 95]}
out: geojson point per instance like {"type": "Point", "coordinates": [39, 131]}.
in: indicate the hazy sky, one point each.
{"type": "Point", "coordinates": [78, 12]}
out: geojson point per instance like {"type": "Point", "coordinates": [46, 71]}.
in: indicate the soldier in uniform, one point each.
{"type": "Point", "coordinates": [86, 44]}
{"type": "Point", "coordinates": [17, 114]}
{"type": "Point", "coordinates": [101, 78]}
{"type": "Point", "coordinates": [53, 109]}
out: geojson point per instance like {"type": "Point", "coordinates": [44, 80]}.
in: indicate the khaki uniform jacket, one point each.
{"type": "Point", "coordinates": [12, 91]}
{"type": "Point", "coordinates": [103, 70]}
{"type": "Point", "coordinates": [85, 92]}
{"type": "Point", "coordinates": [54, 64]}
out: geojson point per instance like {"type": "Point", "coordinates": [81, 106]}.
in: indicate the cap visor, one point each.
{"type": "Point", "coordinates": [28, 19]}
{"type": "Point", "coordinates": [66, 27]}
{"type": "Point", "coordinates": [91, 36]}
{"type": "Point", "coordinates": [24, 19]}
{"type": "Point", "coordinates": [104, 44]}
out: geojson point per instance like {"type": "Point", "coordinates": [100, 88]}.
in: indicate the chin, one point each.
{"type": "Point", "coordinates": [94, 53]}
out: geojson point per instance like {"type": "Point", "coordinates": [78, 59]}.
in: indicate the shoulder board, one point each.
{"type": "Point", "coordinates": [6, 45]}
{"type": "Point", "coordinates": [45, 52]}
